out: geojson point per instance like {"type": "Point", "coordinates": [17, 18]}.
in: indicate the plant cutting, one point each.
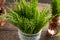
{"type": "Point", "coordinates": [55, 23]}
{"type": "Point", "coordinates": [2, 11]}
{"type": "Point", "coordinates": [29, 19]}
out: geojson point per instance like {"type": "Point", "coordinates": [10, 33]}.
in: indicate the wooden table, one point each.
{"type": "Point", "coordinates": [10, 32]}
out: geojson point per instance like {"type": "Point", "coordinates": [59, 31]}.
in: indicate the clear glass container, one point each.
{"type": "Point", "coordinates": [54, 26]}
{"type": "Point", "coordinates": [24, 36]}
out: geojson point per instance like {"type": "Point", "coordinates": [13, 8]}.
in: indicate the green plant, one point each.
{"type": "Point", "coordinates": [27, 17]}
{"type": "Point", "coordinates": [55, 10]}
{"type": "Point", "coordinates": [55, 7]}
{"type": "Point", "coordinates": [2, 16]}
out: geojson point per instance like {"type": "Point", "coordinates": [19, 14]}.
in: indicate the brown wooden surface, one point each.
{"type": "Point", "coordinates": [10, 32]}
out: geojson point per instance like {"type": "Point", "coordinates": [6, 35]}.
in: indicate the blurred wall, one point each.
{"type": "Point", "coordinates": [42, 1]}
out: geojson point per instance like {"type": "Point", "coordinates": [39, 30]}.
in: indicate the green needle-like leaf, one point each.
{"type": "Point", "coordinates": [27, 17]}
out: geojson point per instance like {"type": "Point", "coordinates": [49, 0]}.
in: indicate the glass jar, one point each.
{"type": "Point", "coordinates": [54, 26]}
{"type": "Point", "coordinates": [24, 36]}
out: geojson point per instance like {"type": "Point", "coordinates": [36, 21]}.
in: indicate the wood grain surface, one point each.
{"type": "Point", "coordinates": [10, 32]}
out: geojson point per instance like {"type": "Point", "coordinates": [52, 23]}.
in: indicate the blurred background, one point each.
{"type": "Point", "coordinates": [42, 1]}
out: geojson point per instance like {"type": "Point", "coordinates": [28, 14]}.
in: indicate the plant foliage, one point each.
{"type": "Point", "coordinates": [55, 7]}
{"type": "Point", "coordinates": [28, 18]}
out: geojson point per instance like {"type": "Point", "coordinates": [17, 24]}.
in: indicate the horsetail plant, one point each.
{"type": "Point", "coordinates": [55, 7]}
{"type": "Point", "coordinates": [28, 18]}
{"type": "Point", "coordinates": [55, 10]}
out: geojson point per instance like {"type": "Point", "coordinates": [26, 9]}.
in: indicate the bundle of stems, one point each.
{"type": "Point", "coordinates": [55, 7]}
{"type": "Point", "coordinates": [28, 18]}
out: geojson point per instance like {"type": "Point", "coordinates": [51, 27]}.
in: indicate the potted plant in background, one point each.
{"type": "Point", "coordinates": [2, 11]}
{"type": "Point", "coordinates": [55, 23]}
{"type": "Point", "coordinates": [28, 19]}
